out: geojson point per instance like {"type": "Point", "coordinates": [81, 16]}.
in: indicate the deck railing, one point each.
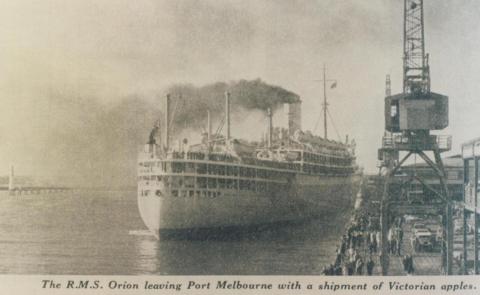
{"type": "Point", "coordinates": [412, 142]}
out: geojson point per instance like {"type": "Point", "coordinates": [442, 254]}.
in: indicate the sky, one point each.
{"type": "Point", "coordinates": [94, 53]}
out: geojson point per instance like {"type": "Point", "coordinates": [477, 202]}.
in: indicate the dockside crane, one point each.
{"type": "Point", "coordinates": [410, 117]}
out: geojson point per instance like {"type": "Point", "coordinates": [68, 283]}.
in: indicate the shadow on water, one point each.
{"type": "Point", "coordinates": [231, 233]}
{"type": "Point", "coordinates": [301, 247]}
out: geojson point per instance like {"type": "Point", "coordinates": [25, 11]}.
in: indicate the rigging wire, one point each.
{"type": "Point", "coordinates": [316, 124]}
{"type": "Point", "coordinates": [334, 127]}
{"type": "Point", "coordinates": [220, 127]}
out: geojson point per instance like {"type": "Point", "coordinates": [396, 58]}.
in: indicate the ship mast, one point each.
{"type": "Point", "coordinates": [325, 103]}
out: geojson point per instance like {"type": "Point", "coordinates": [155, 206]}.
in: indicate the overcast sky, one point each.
{"type": "Point", "coordinates": [109, 49]}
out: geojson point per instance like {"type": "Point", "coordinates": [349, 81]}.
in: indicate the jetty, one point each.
{"type": "Point", "coordinates": [15, 188]}
{"type": "Point", "coordinates": [361, 242]}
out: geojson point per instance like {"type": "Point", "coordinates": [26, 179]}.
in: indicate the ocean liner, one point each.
{"type": "Point", "coordinates": [223, 181]}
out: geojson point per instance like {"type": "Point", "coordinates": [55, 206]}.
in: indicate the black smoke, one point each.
{"type": "Point", "coordinates": [190, 103]}
{"type": "Point", "coordinates": [93, 144]}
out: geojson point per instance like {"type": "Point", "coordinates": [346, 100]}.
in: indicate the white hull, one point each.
{"type": "Point", "coordinates": [308, 197]}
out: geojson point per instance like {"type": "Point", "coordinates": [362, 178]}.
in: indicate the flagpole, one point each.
{"type": "Point", "coordinates": [325, 103]}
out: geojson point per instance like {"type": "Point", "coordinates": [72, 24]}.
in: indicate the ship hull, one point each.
{"type": "Point", "coordinates": [308, 197]}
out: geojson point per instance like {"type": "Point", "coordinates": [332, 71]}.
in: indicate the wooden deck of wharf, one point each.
{"type": "Point", "coordinates": [424, 262]}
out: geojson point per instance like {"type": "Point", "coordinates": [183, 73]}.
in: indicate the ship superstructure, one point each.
{"type": "Point", "coordinates": [225, 181]}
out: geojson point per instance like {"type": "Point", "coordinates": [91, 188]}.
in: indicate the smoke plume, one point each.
{"type": "Point", "coordinates": [92, 144]}
{"type": "Point", "coordinates": [190, 103]}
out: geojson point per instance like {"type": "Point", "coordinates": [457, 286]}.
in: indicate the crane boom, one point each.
{"type": "Point", "coordinates": [416, 71]}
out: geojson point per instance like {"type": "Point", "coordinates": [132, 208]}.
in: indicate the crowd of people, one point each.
{"type": "Point", "coordinates": [361, 240]}
{"type": "Point", "coordinates": [361, 243]}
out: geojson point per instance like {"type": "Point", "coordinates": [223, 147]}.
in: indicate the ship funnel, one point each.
{"type": "Point", "coordinates": [167, 122]}
{"type": "Point", "coordinates": [294, 117]}
{"type": "Point", "coordinates": [227, 113]}
{"type": "Point", "coordinates": [270, 128]}
{"type": "Point", "coordinates": [209, 127]}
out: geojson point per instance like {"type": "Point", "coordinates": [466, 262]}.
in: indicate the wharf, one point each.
{"type": "Point", "coordinates": [34, 190]}
{"type": "Point", "coordinates": [365, 222]}
{"type": "Point", "coordinates": [424, 262]}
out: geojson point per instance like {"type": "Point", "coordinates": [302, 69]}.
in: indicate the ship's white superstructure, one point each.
{"type": "Point", "coordinates": [224, 181]}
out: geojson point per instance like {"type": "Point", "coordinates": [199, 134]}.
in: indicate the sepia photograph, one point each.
{"type": "Point", "coordinates": [239, 138]}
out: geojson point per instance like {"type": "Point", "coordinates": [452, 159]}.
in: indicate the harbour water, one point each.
{"type": "Point", "coordinates": [101, 233]}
